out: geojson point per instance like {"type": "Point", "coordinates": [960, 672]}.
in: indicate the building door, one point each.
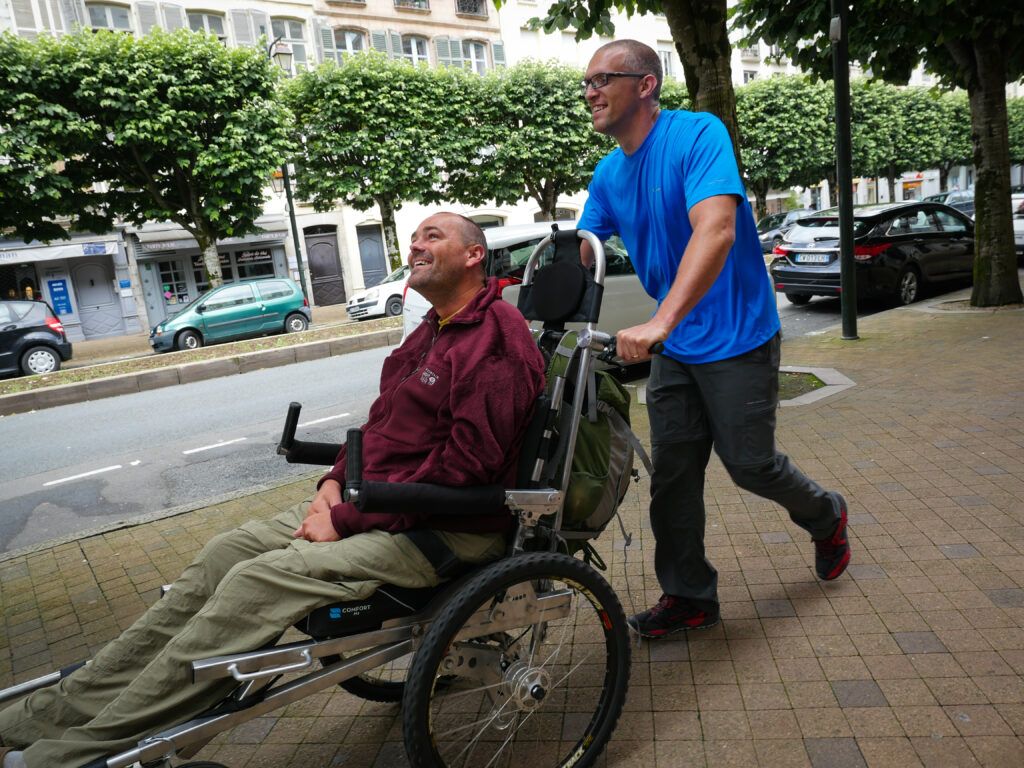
{"type": "Point", "coordinates": [371, 255]}
{"type": "Point", "coordinates": [98, 306]}
{"type": "Point", "coordinates": [325, 266]}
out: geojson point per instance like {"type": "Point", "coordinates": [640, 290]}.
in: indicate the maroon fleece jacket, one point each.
{"type": "Point", "coordinates": [453, 407]}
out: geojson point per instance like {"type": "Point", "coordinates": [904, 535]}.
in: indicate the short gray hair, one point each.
{"type": "Point", "coordinates": [638, 57]}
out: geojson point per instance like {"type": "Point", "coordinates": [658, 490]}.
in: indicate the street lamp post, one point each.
{"type": "Point", "coordinates": [281, 54]}
{"type": "Point", "coordinates": [839, 34]}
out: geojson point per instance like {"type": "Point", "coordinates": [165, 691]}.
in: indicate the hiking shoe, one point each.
{"type": "Point", "coordinates": [832, 555]}
{"type": "Point", "coordinates": [672, 614]}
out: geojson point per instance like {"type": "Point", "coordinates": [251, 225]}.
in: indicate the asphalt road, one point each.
{"type": "Point", "coordinates": [70, 469]}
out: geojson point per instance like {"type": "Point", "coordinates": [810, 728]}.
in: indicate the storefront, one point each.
{"type": "Point", "coordinates": [172, 272]}
{"type": "Point", "coordinates": [86, 280]}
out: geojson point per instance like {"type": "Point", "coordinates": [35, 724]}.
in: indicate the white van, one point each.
{"type": "Point", "coordinates": [625, 303]}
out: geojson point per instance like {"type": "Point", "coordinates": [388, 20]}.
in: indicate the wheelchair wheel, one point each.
{"type": "Point", "coordinates": [384, 684]}
{"type": "Point", "coordinates": [528, 664]}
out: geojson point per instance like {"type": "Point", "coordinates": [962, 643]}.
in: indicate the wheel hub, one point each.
{"type": "Point", "coordinates": [526, 685]}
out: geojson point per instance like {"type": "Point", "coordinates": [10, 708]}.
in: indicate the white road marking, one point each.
{"type": "Point", "coordinates": [326, 418]}
{"type": "Point", "coordinates": [84, 474]}
{"type": "Point", "coordinates": [215, 445]}
{"type": "Point", "coordinates": [135, 463]}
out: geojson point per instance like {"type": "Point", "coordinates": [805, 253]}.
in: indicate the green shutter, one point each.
{"type": "Point", "coordinates": [379, 41]}
{"type": "Point", "coordinates": [498, 52]}
{"type": "Point", "coordinates": [443, 49]}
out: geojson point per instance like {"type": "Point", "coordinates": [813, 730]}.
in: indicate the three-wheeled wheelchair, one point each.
{"type": "Point", "coordinates": [525, 660]}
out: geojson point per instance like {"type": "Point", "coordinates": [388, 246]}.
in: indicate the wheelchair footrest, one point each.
{"type": "Point", "coordinates": [388, 602]}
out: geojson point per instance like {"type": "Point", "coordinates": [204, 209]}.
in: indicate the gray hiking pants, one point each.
{"type": "Point", "coordinates": [729, 405]}
{"type": "Point", "coordinates": [240, 593]}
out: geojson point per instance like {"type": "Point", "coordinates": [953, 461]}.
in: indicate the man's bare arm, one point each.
{"type": "Point", "coordinates": [714, 231]}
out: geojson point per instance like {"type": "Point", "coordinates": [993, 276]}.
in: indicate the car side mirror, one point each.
{"type": "Point", "coordinates": [201, 308]}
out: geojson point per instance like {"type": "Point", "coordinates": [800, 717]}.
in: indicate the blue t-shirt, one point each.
{"type": "Point", "coordinates": [646, 197]}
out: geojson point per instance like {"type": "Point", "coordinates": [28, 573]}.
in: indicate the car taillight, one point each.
{"type": "Point", "coordinates": [868, 252]}
{"type": "Point", "coordinates": [55, 325]}
{"type": "Point", "coordinates": [505, 282]}
{"type": "Point", "coordinates": [305, 301]}
{"type": "Point", "coordinates": [778, 250]}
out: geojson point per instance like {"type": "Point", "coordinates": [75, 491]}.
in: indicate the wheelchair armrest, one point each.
{"type": "Point", "coordinates": [420, 498]}
{"type": "Point", "coordinates": [304, 452]}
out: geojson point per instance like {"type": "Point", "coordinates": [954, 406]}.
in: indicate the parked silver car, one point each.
{"type": "Point", "coordinates": [773, 228]}
{"type": "Point", "coordinates": [625, 302]}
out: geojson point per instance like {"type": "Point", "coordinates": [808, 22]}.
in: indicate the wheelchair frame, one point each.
{"type": "Point", "coordinates": [258, 672]}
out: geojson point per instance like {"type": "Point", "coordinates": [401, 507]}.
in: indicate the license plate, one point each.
{"type": "Point", "coordinates": [812, 258]}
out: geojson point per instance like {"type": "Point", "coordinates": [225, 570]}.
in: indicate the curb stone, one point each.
{"type": "Point", "coordinates": [185, 373]}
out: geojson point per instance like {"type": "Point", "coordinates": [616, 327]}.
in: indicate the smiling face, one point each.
{"type": "Point", "coordinates": [444, 259]}
{"type": "Point", "coordinates": [614, 106]}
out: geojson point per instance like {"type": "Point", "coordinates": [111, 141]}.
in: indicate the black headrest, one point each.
{"type": "Point", "coordinates": [564, 290]}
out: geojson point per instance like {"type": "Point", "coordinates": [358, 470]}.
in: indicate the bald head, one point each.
{"type": "Point", "coordinates": [636, 57]}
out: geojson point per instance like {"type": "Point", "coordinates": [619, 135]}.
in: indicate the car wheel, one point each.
{"type": "Point", "coordinates": [393, 307]}
{"type": "Point", "coordinates": [295, 323]}
{"type": "Point", "coordinates": [189, 340]}
{"type": "Point", "coordinates": [798, 298]}
{"type": "Point", "coordinates": [38, 360]}
{"type": "Point", "coordinates": [908, 286]}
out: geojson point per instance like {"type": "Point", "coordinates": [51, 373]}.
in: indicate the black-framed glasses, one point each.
{"type": "Point", "coordinates": [600, 79]}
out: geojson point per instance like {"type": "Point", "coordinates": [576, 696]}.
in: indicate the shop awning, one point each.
{"type": "Point", "coordinates": [22, 253]}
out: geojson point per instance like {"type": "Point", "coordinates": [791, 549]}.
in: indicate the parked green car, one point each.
{"type": "Point", "coordinates": [234, 311]}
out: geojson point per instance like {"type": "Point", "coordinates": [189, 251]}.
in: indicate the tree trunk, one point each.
{"type": "Point", "coordinates": [211, 260]}
{"type": "Point", "coordinates": [547, 199]}
{"type": "Point", "coordinates": [760, 200]}
{"type": "Point", "coordinates": [892, 184]}
{"type": "Point", "coordinates": [702, 42]}
{"type": "Point", "coordinates": [387, 219]}
{"type": "Point", "coordinates": [944, 169]}
{"type": "Point", "coordinates": [995, 260]}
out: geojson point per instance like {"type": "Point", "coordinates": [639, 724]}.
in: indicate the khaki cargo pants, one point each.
{"type": "Point", "coordinates": [244, 588]}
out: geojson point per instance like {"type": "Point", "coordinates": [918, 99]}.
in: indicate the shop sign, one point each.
{"type": "Point", "coordinates": [94, 249]}
{"type": "Point", "coordinates": [59, 296]}
{"type": "Point", "coordinates": [253, 254]}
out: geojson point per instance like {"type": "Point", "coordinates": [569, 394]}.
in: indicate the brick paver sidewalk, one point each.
{"type": "Point", "coordinates": [915, 657]}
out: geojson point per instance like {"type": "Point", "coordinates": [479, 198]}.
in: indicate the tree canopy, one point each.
{"type": "Point", "coordinates": [172, 127]}
{"type": "Point", "coordinates": [970, 44]}
{"type": "Point", "coordinates": [376, 131]}
{"type": "Point", "coordinates": [536, 140]}
{"type": "Point", "coordinates": [786, 136]}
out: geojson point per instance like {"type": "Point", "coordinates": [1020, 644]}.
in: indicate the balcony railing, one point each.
{"type": "Point", "coordinates": [471, 7]}
{"type": "Point", "coordinates": [751, 53]}
{"type": "Point", "coordinates": [416, 5]}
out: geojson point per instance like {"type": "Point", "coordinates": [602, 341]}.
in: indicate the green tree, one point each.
{"type": "Point", "coordinates": [698, 30]}
{"type": "Point", "coordinates": [1015, 120]}
{"type": "Point", "coordinates": [970, 44]}
{"type": "Point", "coordinates": [950, 129]}
{"type": "Point", "coordinates": [535, 139]}
{"type": "Point", "coordinates": [381, 132]}
{"type": "Point", "coordinates": [878, 125]}
{"type": "Point", "coordinates": [785, 134]}
{"type": "Point", "coordinates": [172, 127]}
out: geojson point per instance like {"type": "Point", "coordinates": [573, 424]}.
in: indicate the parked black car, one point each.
{"type": "Point", "coordinates": [898, 248]}
{"type": "Point", "coordinates": [32, 338]}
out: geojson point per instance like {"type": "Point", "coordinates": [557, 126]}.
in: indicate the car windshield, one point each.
{"type": "Point", "coordinates": [398, 274]}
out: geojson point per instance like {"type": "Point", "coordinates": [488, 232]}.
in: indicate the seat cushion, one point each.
{"type": "Point", "coordinates": [388, 602]}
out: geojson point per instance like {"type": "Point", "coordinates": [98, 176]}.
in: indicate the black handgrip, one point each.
{"type": "Point", "coordinates": [609, 353]}
{"type": "Point", "coordinates": [304, 452]}
{"type": "Point", "coordinates": [429, 499]}
{"type": "Point", "coordinates": [354, 464]}
{"type": "Point", "coordinates": [291, 421]}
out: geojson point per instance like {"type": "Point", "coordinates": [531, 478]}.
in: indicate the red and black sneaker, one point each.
{"type": "Point", "coordinates": [832, 555]}
{"type": "Point", "coordinates": [672, 614]}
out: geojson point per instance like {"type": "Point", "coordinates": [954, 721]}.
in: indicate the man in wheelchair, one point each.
{"type": "Point", "coordinates": [454, 402]}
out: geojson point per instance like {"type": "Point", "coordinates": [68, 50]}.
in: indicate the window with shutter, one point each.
{"type": "Point", "coordinates": [475, 55]}
{"type": "Point", "coordinates": [174, 16]}
{"type": "Point", "coordinates": [260, 26]}
{"type": "Point", "coordinates": [148, 17]}
{"type": "Point", "coordinates": [498, 52]}
{"type": "Point", "coordinates": [443, 49]}
{"type": "Point", "coordinates": [293, 33]}
{"type": "Point", "coordinates": [25, 18]}
{"type": "Point", "coordinates": [241, 26]}
{"type": "Point", "coordinates": [349, 41]}
{"type": "Point", "coordinates": [211, 23]}
{"type": "Point", "coordinates": [323, 36]}
{"type": "Point", "coordinates": [74, 15]}
{"type": "Point", "coordinates": [379, 41]}
{"type": "Point", "coordinates": [108, 16]}
{"type": "Point", "coordinates": [457, 57]}
{"type": "Point", "coordinates": [414, 49]}
{"type": "Point", "coordinates": [395, 40]}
